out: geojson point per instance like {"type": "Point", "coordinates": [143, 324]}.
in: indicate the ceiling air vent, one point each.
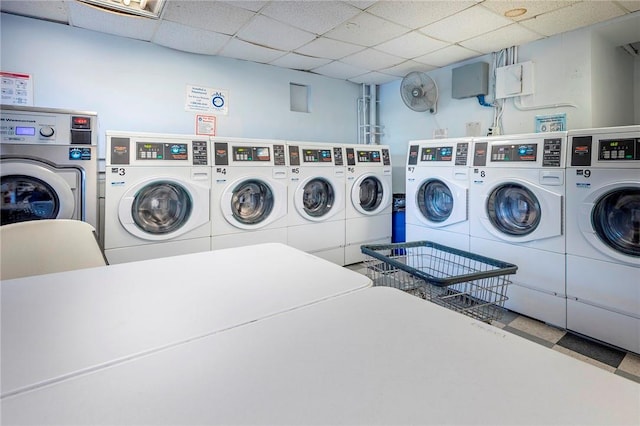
{"type": "Point", "coordinates": [632, 49]}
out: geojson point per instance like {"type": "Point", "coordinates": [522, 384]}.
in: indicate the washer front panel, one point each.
{"type": "Point", "coordinates": [162, 209]}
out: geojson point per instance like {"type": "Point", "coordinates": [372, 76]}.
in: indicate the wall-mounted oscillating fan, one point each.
{"type": "Point", "coordinates": [419, 92]}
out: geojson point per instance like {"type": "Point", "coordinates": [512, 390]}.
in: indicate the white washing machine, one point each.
{"type": "Point", "coordinates": [516, 200]}
{"type": "Point", "coordinates": [437, 191]}
{"type": "Point", "coordinates": [603, 235]}
{"type": "Point", "coordinates": [157, 196]}
{"type": "Point", "coordinates": [49, 164]}
{"type": "Point", "coordinates": [316, 206]}
{"type": "Point", "coordinates": [249, 192]}
{"type": "Point", "coordinates": [369, 199]}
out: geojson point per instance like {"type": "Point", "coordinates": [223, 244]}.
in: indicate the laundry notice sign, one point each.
{"type": "Point", "coordinates": [17, 89]}
{"type": "Point", "coordinates": [206, 99]}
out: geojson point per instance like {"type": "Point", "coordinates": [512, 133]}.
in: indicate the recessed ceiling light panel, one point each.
{"type": "Point", "coordinates": [147, 8]}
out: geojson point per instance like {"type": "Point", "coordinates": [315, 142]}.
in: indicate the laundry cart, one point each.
{"type": "Point", "coordinates": [458, 280]}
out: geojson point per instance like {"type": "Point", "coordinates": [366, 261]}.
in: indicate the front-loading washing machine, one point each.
{"type": "Point", "coordinates": [316, 207]}
{"type": "Point", "coordinates": [516, 199]}
{"type": "Point", "coordinates": [603, 235]}
{"type": "Point", "coordinates": [437, 191]}
{"type": "Point", "coordinates": [369, 199]}
{"type": "Point", "coordinates": [249, 192]}
{"type": "Point", "coordinates": [49, 164]}
{"type": "Point", "coordinates": [157, 196]}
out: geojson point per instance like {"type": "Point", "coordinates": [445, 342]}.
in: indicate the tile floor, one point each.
{"type": "Point", "coordinates": [614, 360]}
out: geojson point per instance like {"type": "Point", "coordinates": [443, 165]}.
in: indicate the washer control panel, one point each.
{"type": "Point", "coordinates": [156, 149]}
{"type": "Point", "coordinates": [51, 127]}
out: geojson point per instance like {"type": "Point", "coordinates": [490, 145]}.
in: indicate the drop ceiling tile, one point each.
{"type": "Point", "coordinates": [417, 14]}
{"type": "Point", "coordinates": [366, 30]}
{"type": "Point", "coordinates": [188, 39]}
{"type": "Point", "coordinates": [575, 16]}
{"type": "Point", "coordinates": [270, 33]}
{"type": "Point", "coordinates": [361, 4]}
{"type": "Point", "coordinates": [250, 52]}
{"type": "Point", "coordinates": [410, 45]}
{"type": "Point", "coordinates": [317, 17]}
{"type": "Point", "coordinates": [464, 25]}
{"type": "Point", "coordinates": [407, 67]}
{"type": "Point", "coordinates": [207, 15]}
{"type": "Point", "coordinates": [448, 55]}
{"type": "Point", "coordinates": [534, 8]}
{"type": "Point", "coordinates": [337, 69]}
{"type": "Point", "coordinates": [512, 35]}
{"type": "Point", "coordinates": [299, 62]}
{"type": "Point", "coordinates": [631, 6]}
{"type": "Point", "coordinates": [372, 59]}
{"type": "Point", "coordinates": [326, 48]}
{"type": "Point", "coordinates": [92, 18]}
{"type": "Point", "coordinates": [49, 10]}
{"type": "Point", "coordinates": [253, 6]}
{"type": "Point", "coordinates": [373, 78]}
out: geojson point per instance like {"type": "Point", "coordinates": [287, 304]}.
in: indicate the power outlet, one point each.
{"type": "Point", "coordinates": [494, 131]}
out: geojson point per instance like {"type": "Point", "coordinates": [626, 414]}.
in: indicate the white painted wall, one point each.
{"type": "Point", "coordinates": [584, 68]}
{"type": "Point", "coordinates": [612, 84]}
{"type": "Point", "coordinates": [138, 86]}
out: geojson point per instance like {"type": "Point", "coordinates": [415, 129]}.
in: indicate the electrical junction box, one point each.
{"type": "Point", "coordinates": [470, 80]}
{"type": "Point", "coordinates": [514, 80]}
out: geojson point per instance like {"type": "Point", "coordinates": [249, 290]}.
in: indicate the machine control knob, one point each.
{"type": "Point", "coordinates": [47, 131]}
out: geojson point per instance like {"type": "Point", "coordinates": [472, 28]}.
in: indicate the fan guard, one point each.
{"type": "Point", "coordinates": [419, 92]}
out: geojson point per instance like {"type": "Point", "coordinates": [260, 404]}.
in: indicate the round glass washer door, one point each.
{"type": "Point", "coordinates": [370, 194]}
{"type": "Point", "coordinates": [513, 209]}
{"type": "Point", "coordinates": [318, 198]}
{"type": "Point", "coordinates": [33, 192]}
{"type": "Point", "coordinates": [252, 202]}
{"type": "Point", "coordinates": [27, 198]}
{"type": "Point", "coordinates": [161, 207]}
{"type": "Point", "coordinates": [616, 220]}
{"type": "Point", "coordinates": [435, 200]}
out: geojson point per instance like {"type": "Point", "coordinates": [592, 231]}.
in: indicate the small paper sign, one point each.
{"type": "Point", "coordinates": [206, 125]}
{"type": "Point", "coordinates": [206, 99]}
{"type": "Point", "coordinates": [551, 123]}
{"type": "Point", "coordinates": [17, 89]}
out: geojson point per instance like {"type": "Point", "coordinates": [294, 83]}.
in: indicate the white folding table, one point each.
{"type": "Point", "coordinates": [373, 356]}
{"type": "Point", "coordinates": [59, 325]}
